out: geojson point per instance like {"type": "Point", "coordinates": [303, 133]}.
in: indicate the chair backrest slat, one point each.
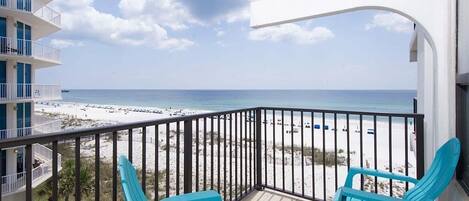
{"type": "Point", "coordinates": [130, 184]}
{"type": "Point", "coordinates": [439, 175]}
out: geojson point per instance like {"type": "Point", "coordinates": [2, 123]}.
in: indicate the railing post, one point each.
{"type": "Point", "coordinates": [420, 146]}
{"type": "Point", "coordinates": [258, 150]}
{"type": "Point", "coordinates": [188, 156]}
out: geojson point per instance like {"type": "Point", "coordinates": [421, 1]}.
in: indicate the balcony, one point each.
{"type": "Point", "coordinates": [30, 51]}
{"type": "Point", "coordinates": [41, 172]}
{"type": "Point", "coordinates": [47, 127]}
{"type": "Point", "coordinates": [304, 153]}
{"type": "Point", "coordinates": [47, 19]}
{"type": "Point", "coordinates": [28, 92]}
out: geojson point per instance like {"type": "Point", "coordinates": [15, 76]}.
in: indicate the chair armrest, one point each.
{"type": "Point", "coordinates": [371, 172]}
{"type": "Point", "coordinates": [345, 192]}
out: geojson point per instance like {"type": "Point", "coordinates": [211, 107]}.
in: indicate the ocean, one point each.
{"type": "Point", "coordinates": [399, 101]}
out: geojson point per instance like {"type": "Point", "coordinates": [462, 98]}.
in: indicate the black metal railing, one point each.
{"type": "Point", "coordinates": [236, 152]}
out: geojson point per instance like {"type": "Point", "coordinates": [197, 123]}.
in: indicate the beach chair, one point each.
{"type": "Point", "coordinates": [197, 196]}
{"type": "Point", "coordinates": [133, 190]}
{"type": "Point", "coordinates": [428, 188]}
{"type": "Point", "coordinates": [130, 184]}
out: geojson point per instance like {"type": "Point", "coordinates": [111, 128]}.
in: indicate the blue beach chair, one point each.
{"type": "Point", "coordinates": [133, 190]}
{"type": "Point", "coordinates": [428, 188]}
{"type": "Point", "coordinates": [130, 184]}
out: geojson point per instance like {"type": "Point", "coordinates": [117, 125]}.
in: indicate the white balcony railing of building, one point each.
{"type": "Point", "coordinates": [28, 48]}
{"type": "Point", "coordinates": [14, 92]}
{"type": "Point", "coordinates": [14, 182]}
{"type": "Point", "coordinates": [45, 12]}
{"type": "Point", "coordinates": [48, 127]}
{"type": "Point", "coordinates": [49, 14]}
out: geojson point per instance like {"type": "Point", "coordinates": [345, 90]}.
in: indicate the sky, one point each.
{"type": "Point", "coordinates": [208, 44]}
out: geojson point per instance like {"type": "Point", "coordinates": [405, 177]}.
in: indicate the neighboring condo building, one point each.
{"type": "Point", "coordinates": [22, 24]}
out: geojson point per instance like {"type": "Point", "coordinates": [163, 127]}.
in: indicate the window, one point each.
{"type": "Point", "coordinates": [3, 34]}
{"type": "Point", "coordinates": [23, 118]}
{"type": "Point", "coordinates": [23, 5]}
{"type": "Point", "coordinates": [23, 35]}
{"type": "Point", "coordinates": [23, 80]}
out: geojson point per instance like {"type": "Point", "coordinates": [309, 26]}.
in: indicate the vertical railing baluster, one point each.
{"type": "Point", "coordinates": [265, 148]}
{"type": "Point", "coordinates": [224, 158]}
{"type": "Point", "coordinates": [211, 153]}
{"type": "Point", "coordinates": [114, 165]}
{"type": "Point", "coordinates": [313, 183]}
{"type": "Point", "coordinates": [406, 155]}
{"type": "Point", "coordinates": [157, 158]}
{"type": "Point", "coordinates": [390, 154]}
{"type": "Point", "coordinates": [197, 155]}
{"type": "Point", "coordinates": [302, 156]}
{"type": "Point", "coordinates": [283, 150]}
{"type": "Point", "coordinates": [420, 146]}
{"type": "Point", "coordinates": [241, 152]}
{"type": "Point", "coordinates": [178, 144]}
{"type": "Point", "coordinates": [77, 170]}
{"type": "Point", "coordinates": [292, 154]}
{"type": "Point", "coordinates": [335, 151]}
{"type": "Point", "coordinates": [205, 153]}
{"type": "Point", "coordinates": [273, 148]}
{"type": "Point", "coordinates": [55, 175]}
{"type": "Point", "coordinates": [375, 142]}
{"type": "Point", "coordinates": [361, 152]}
{"type": "Point", "coordinates": [144, 158]}
{"type": "Point", "coordinates": [218, 150]}
{"type": "Point", "coordinates": [96, 166]}
{"type": "Point", "coordinates": [250, 149]}
{"type": "Point", "coordinates": [187, 156]}
{"type": "Point", "coordinates": [29, 182]}
{"type": "Point", "coordinates": [324, 154]}
{"type": "Point", "coordinates": [245, 152]}
{"type": "Point", "coordinates": [130, 145]}
{"type": "Point", "coordinates": [231, 156]}
{"type": "Point", "coordinates": [167, 159]}
{"type": "Point", "coordinates": [236, 156]}
{"type": "Point", "coordinates": [347, 122]}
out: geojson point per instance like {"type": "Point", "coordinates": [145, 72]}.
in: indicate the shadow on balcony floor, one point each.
{"type": "Point", "coordinates": [270, 195]}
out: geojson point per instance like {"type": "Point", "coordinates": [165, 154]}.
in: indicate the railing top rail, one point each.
{"type": "Point", "coordinates": [66, 135]}
{"type": "Point", "coordinates": [351, 112]}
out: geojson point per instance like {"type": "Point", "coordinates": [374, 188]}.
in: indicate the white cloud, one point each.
{"type": "Point", "coordinates": [60, 43]}
{"type": "Point", "coordinates": [292, 33]}
{"type": "Point", "coordinates": [169, 13]}
{"type": "Point", "coordinates": [391, 22]}
{"type": "Point", "coordinates": [81, 19]}
{"type": "Point", "coordinates": [220, 33]}
{"type": "Point", "coordinates": [242, 14]}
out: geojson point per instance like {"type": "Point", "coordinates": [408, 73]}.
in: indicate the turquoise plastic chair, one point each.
{"type": "Point", "coordinates": [198, 196]}
{"type": "Point", "coordinates": [133, 190]}
{"type": "Point", "coordinates": [130, 184]}
{"type": "Point", "coordinates": [428, 188]}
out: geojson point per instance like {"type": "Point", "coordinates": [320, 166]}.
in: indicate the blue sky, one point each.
{"type": "Point", "coordinates": [187, 44]}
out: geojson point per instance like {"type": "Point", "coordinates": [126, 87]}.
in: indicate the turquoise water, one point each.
{"type": "Point", "coordinates": [217, 100]}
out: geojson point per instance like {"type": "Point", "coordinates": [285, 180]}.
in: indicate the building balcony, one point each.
{"type": "Point", "coordinates": [29, 51]}
{"type": "Point", "coordinates": [10, 92]}
{"type": "Point", "coordinates": [304, 153]}
{"type": "Point", "coordinates": [48, 127]}
{"type": "Point", "coordinates": [42, 170]}
{"type": "Point", "coordinates": [45, 19]}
